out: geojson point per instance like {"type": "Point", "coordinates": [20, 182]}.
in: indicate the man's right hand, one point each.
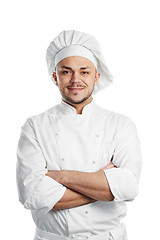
{"type": "Point", "coordinates": [109, 165]}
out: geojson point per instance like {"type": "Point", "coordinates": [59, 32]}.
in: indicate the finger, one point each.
{"type": "Point", "coordinates": [108, 166]}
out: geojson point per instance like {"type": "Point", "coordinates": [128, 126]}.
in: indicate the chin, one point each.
{"type": "Point", "coordinates": [75, 100]}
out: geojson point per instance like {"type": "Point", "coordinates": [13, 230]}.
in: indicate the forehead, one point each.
{"type": "Point", "coordinates": [76, 61]}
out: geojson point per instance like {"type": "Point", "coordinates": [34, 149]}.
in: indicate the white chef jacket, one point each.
{"type": "Point", "coordinates": [61, 139]}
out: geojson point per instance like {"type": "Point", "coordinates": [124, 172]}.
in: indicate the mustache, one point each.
{"type": "Point", "coordinates": [75, 86]}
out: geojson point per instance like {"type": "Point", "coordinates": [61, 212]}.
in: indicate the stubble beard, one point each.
{"type": "Point", "coordinates": [77, 102]}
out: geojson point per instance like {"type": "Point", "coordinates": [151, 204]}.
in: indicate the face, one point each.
{"type": "Point", "coordinates": [76, 77]}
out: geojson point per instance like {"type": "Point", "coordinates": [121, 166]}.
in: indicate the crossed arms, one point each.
{"type": "Point", "coordinates": [67, 189]}
{"type": "Point", "coordinates": [82, 187]}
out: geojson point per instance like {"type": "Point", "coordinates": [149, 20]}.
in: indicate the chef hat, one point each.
{"type": "Point", "coordinates": [75, 43]}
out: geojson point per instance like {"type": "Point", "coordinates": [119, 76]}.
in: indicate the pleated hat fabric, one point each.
{"type": "Point", "coordinates": [69, 38]}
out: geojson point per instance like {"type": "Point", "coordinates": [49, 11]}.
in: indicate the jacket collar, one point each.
{"type": "Point", "coordinates": [68, 109]}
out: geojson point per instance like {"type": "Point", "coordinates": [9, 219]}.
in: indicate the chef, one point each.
{"type": "Point", "coordinates": [78, 163]}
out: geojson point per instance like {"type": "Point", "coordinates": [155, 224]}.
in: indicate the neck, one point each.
{"type": "Point", "coordinates": [79, 107]}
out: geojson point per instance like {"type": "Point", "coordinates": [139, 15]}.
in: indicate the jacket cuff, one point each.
{"type": "Point", "coordinates": [123, 183]}
{"type": "Point", "coordinates": [47, 193]}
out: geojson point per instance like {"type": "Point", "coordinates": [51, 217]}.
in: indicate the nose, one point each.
{"type": "Point", "coordinates": [75, 78]}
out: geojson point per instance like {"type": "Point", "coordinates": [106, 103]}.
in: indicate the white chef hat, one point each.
{"type": "Point", "coordinates": [74, 43]}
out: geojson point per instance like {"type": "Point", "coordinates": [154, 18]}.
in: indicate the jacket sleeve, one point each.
{"type": "Point", "coordinates": [124, 179]}
{"type": "Point", "coordinates": [36, 190]}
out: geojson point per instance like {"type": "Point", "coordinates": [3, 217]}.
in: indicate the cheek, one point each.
{"type": "Point", "coordinates": [90, 82]}
{"type": "Point", "coordinates": [61, 81]}
{"type": "Point", "coordinates": [63, 85]}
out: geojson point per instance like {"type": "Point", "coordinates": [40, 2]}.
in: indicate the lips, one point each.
{"type": "Point", "coordinates": [75, 89]}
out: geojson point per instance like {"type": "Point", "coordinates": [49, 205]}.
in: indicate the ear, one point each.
{"type": "Point", "coordinates": [96, 78]}
{"type": "Point", "coordinates": [55, 78]}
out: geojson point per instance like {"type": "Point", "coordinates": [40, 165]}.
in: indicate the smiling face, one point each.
{"type": "Point", "coordinates": [76, 77]}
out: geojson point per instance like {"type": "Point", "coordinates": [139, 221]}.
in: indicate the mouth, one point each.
{"type": "Point", "coordinates": [75, 89]}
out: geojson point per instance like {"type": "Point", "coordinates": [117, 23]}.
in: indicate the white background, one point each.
{"type": "Point", "coordinates": [128, 32]}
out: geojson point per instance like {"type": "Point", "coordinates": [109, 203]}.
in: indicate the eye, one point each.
{"type": "Point", "coordinates": [85, 73]}
{"type": "Point", "coordinates": [65, 72]}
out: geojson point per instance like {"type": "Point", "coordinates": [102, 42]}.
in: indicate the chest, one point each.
{"type": "Point", "coordinates": [82, 144]}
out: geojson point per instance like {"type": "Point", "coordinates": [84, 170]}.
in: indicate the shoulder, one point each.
{"type": "Point", "coordinates": [120, 121]}
{"type": "Point", "coordinates": [121, 118]}
{"type": "Point", "coordinates": [39, 119]}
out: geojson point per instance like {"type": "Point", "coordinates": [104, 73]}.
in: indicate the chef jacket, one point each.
{"type": "Point", "coordinates": [61, 139]}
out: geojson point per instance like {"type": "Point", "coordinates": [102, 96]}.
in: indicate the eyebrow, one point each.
{"type": "Point", "coordinates": [71, 68]}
